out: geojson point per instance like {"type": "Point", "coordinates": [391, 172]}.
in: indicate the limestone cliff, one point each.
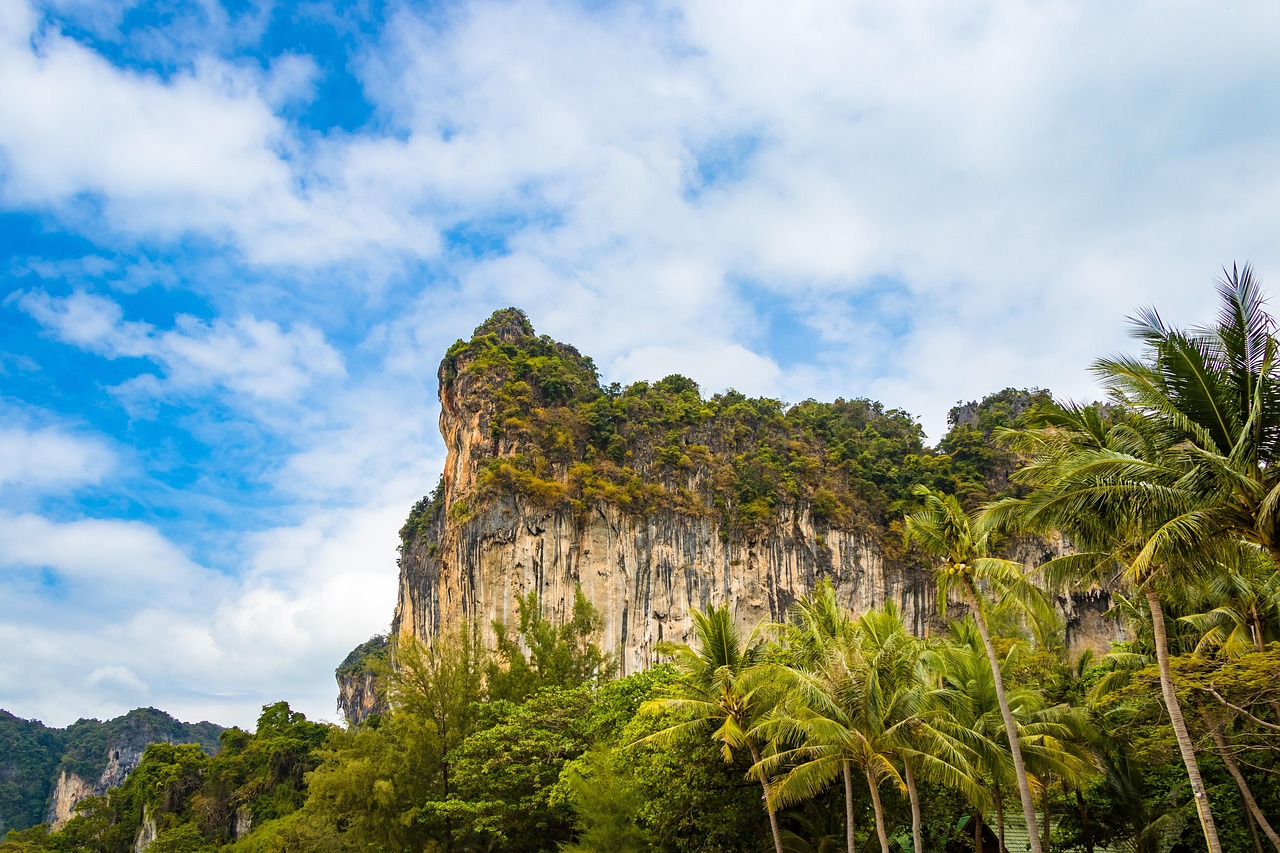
{"type": "Point", "coordinates": [656, 501]}
{"type": "Point", "coordinates": [358, 695]}
{"type": "Point", "coordinates": [70, 789]}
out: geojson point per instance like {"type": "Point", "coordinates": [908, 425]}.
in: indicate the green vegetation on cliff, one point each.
{"type": "Point", "coordinates": [560, 440]}
{"type": "Point", "coordinates": [33, 756]}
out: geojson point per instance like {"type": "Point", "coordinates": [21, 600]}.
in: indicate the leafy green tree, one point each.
{"type": "Point", "coordinates": [183, 838]}
{"type": "Point", "coordinates": [564, 655]}
{"type": "Point", "coordinates": [505, 772]}
{"type": "Point", "coordinates": [722, 690]}
{"type": "Point", "coordinates": [371, 784]}
{"type": "Point", "coordinates": [691, 799]}
{"type": "Point", "coordinates": [607, 802]}
{"type": "Point", "coordinates": [441, 684]}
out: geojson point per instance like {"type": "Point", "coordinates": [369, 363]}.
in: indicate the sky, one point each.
{"type": "Point", "coordinates": [237, 237]}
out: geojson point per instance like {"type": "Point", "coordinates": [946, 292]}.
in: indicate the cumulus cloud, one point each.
{"type": "Point", "coordinates": [115, 558]}
{"type": "Point", "coordinates": [110, 615]}
{"type": "Point", "coordinates": [247, 356]}
{"type": "Point", "coordinates": [51, 457]}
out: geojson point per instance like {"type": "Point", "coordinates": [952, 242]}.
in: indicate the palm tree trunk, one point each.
{"type": "Point", "coordinates": [1161, 637]}
{"type": "Point", "coordinates": [977, 832]}
{"type": "Point", "coordinates": [764, 783]}
{"type": "Point", "coordinates": [1224, 752]}
{"type": "Point", "coordinates": [1084, 821]}
{"type": "Point", "coordinates": [999, 816]}
{"type": "Point", "coordinates": [917, 837]}
{"type": "Point", "coordinates": [1010, 727]}
{"type": "Point", "coordinates": [875, 803]}
{"type": "Point", "coordinates": [848, 806]}
{"type": "Point", "coordinates": [1046, 825]}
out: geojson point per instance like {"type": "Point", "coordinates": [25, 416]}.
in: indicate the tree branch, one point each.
{"type": "Point", "coordinates": [1216, 695]}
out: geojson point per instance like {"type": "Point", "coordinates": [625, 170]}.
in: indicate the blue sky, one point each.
{"type": "Point", "coordinates": [237, 237]}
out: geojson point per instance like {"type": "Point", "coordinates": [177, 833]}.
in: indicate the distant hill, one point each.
{"type": "Point", "coordinates": [45, 771]}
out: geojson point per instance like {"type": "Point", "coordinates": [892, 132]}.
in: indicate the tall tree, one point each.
{"type": "Point", "coordinates": [1188, 472]}
{"type": "Point", "coordinates": [1112, 485]}
{"type": "Point", "coordinates": [722, 688]}
{"type": "Point", "coordinates": [441, 683]}
{"type": "Point", "coordinates": [944, 531]}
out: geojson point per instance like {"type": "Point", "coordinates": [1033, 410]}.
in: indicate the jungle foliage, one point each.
{"type": "Point", "coordinates": [33, 756]}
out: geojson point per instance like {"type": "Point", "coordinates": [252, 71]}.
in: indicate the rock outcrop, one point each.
{"type": "Point", "coordinates": [359, 697]}
{"type": "Point", "coordinates": [656, 502]}
{"type": "Point", "coordinates": [122, 756]}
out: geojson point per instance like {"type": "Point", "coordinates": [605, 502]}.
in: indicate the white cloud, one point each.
{"type": "Point", "coordinates": [247, 356]}
{"type": "Point", "coordinates": [136, 622]}
{"type": "Point", "coordinates": [119, 558]}
{"type": "Point", "coordinates": [51, 457]}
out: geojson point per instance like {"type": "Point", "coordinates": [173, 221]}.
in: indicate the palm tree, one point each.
{"type": "Point", "coordinates": [723, 688]}
{"type": "Point", "coordinates": [946, 532]}
{"type": "Point", "coordinates": [817, 624]}
{"type": "Point", "coordinates": [1241, 605]}
{"type": "Point", "coordinates": [1187, 472]}
{"type": "Point", "coordinates": [1045, 734]}
{"type": "Point", "coordinates": [817, 621]}
{"type": "Point", "coordinates": [863, 705]}
{"type": "Point", "coordinates": [921, 744]}
{"type": "Point", "coordinates": [1113, 488]}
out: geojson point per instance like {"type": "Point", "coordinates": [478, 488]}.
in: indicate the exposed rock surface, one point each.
{"type": "Point", "coordinates": [357, 676]}
{"type": "Point", "coordinates": [67, 793]}
{"type": "Point", "coordinates": [472, 549]}
{"type": "Point", "coordinates": [146, 831]}
{"type": "Point", "coordinates": [70, 789]}
{"type": "Point", "coordinates": [243, 823]}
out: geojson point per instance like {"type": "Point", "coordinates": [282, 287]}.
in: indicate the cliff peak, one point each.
{"type": "Point", "coordinates": [509, 324]}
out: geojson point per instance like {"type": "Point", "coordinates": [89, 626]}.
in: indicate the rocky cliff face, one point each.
{"type": "Point", "coordinates": [660, 505]}
{"type": "Point", "coordinates": [645, 575]}
{"type": "Point", "coordinates": [359, 697]}
{"type": "Point", "coordinates": [70, 788]}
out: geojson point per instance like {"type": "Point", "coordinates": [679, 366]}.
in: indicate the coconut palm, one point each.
{"type": "Point", "coordinates": [922, 745]}
{"type": "Point", "coordinates": [864, 706]}
{"type": "Point", "coordinates": [1187, 472]}
{"type": "Point", "coordinates": [1238, 607]}
{"type": "Point", "coordinates": [1114, 488]}
{"type": "Point", "coordinates": [947, 533]}
{"type": "Point", "coordinates": [816, 622]}
{"type": "Point", "coordinates": [1046, 735]}
{"type": "Point", "coordinates": [723, 689]}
